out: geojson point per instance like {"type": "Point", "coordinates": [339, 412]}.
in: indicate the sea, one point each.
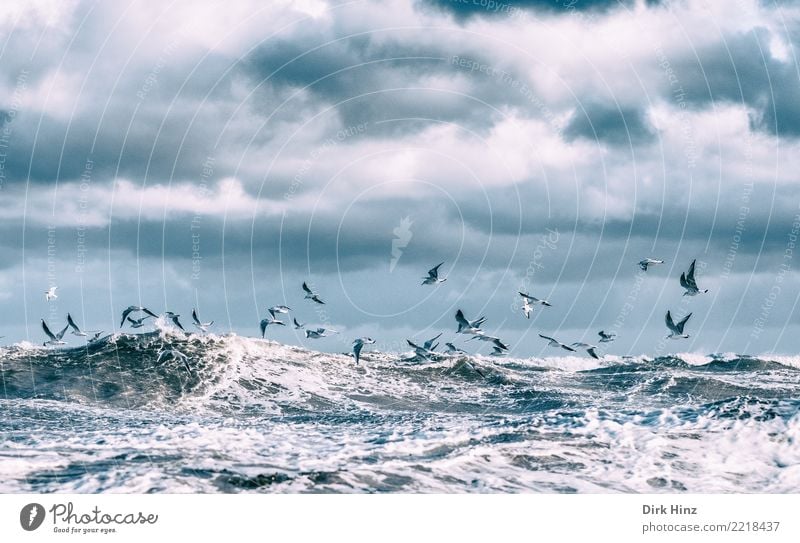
{"type": "Point", "coordinates": [250, 415]}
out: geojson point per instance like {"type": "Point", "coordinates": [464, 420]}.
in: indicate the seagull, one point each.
{"type": "Point", "coordinates": [95, 337]}
{"type": "Point", "coordinates": [55, 339]}
{"type": "Point", "coordinates": [203, 326]}
{"type": "Point", "coordinates": [676, 330]}
{"type": "Point", "coordinates": [174, 318]}
{"type": "Point", "coordinates": [688, 282]}
{"type": "Point", "coordinates": [534, 300]}
{"type": "Point", "coordinates": [452, 349]}
{"type": "Point", "coordinates": [358, 344]}
{"type": "Point", "coordinates": [297, 325]}
{"type": "Point", "coordinates": [50, 294]}
{"type": "Point", "coordinates": [319, 332]}
{"type": "Point", "coordinates": [527, 308]}
{"type": "Point", "coordinates": [138, 323]}
{"type": "Point", "coordinates": [175, 355]}
{"type": "Point", "coordinates": [433, 276]}
{"type": "Point", "coordinates": [497, 343]}
{"type": "Point", "coordinates": [591, 349]}
{"type": "Point", "coordinates": [498, 352]}
{"type": "Point", "coordinates": [466, 326]}
{"type": "Point", "coordinates": [268, 321]}
{"type": "Point", "coordinates": [279, 309]}
{"type": "Point", "coordinates": [133, 308]}
{"type": "Point", "coordinates": [424, 352]}
{"type": "Point", "coordinates": [606, 337]}
{"type": "Point", "coordinates": [429, 344]}
{"type": "Point", "coordinates": [76, 331]}
{"type": "Point", "coordinates": [556, 343]}
{"type": "Point", "coordinates": [310, 294]}
{"type": "Point", "coordinates": [649, 262]}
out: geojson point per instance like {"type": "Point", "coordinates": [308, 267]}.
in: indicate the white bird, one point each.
{"type": "Point", "coordinates": [527, 308]}
{"type": "Point", "coordinates": [466, 326]}
{"type": "Point", "coordinates": [203, 326]}
{"type": "Point", "coordinates": [269, 320]}
{"type": "Point", "coordinates": [132, 309]}
{"type": "Point", "coordinates": [319, 333]}
{"type": "Point", "coordinates": [424, 352]}
{"type": "Point", "coordinates": [358, 344]}
{"type": "Point", "coordinates": [433, 276]}
{"type": "Point", "coordinates": [50, 294]}
{"type": "Point", "coordinates": [606, 337]}
{"type": "Point", "coordinates": [175, 355]}
{"type": "Point", "coordinates": [174, 318]}
{"type": "Point", "coordinates": [591, 349]}
{"type": "Point", "coordinates": [452, 349]}
{"type": "Point", "coordinates": [534, 300]}
{"type": "Point", "coordinates": [55, 339]}
{"type": "Point", "coordinates": [555, 343]}
{"type": "Point", "coordinates": [495, 340]}
{"type": "Point", "coordinates": [676, 330]}
{"type": "Point", "coordinates": [649, 262]}
{"type": "Point", "coordinates": [310, 294]}
{"type": "Point", "coordinates": [688, 282]}
{"type": "Point", "coordinates": [279, 309]}
{"type": "Point", "coordinates": [138, 323]}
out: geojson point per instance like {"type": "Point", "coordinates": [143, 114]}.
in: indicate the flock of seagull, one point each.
{"type": "Point", "coordinates": [426, 351]}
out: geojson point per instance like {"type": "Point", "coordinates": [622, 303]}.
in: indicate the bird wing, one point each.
{"type": "Point", "coordinates": [305, 288]}
{"type": "Point", "coordinates": [690, 273]}
{"type": "Point", "coordinates": [60, 335]}
{"type": "Point", "coordinates": [592, 352]}
{"type": "Point", "coordinates": [47, 331]}
{"type": "Point", "coordinates": [567, 347]}
{"type": "Point", "coordinates": [462, 321]}
{"type": "Point", "coordinates": [195, 318]}
{"type": "Point", "coordinates": [357, 350]}
{"type": "Point", "coordinates": [71, 323]}
{"type": "Point", "coordinates": [682, 323]}
{"type": "Point", "coordinates": [434, 272]}
{"type": "Point", "coordinates": [264, 323]}
{"type": "Point", "coordinates": [670, 323]}
{"type": "Point", "coordinates": [428, 343]}
{"type": "Point", "coordinates": [548, 338]}
{"type": "Point", "coordinates": [413, 345]}
{"type": "Point", "coordinates": [684, 283]}
{"type": "Point", "coordinates": [125, 316]}
{"type": "Point", "coordinates": [499, 344]}
{"type": "Point", "coordinates": [526, 296]}
{"type": "Point", "coordinates": [147, 311]}
{"type": "Point", "coordinates": [177, 323]}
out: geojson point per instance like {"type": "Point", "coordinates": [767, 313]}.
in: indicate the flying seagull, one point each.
{"type": "Point", "coordinates": [269, 320]}
{"type": "Point", "coordinates": [466, 326]}
{"type": "Point", "coordinates": [429, 344]}
{"type": "Point", "coordinates": [688, 282]}
{"type": "Point", "coordinates": [452, 349]}
{"type": "Point", "coordinates": [55, 339]}
{"type": "Point", "coordinates": [319, 332]}
{"type": "Point", "coordinates": [358, 344]}
{"type": "Point", "coordinates": [297, 325]}
{"type": "Point", "coordinates": [527, 308]}
{"type": "Point", "coordinates": [497, 351]}
{"type": "Point", "coordinates": [50, 294]}
{"type": "Point", "coordinates": [174, 318]}
{"type": "Point", "coordinates": [606, 337]}
{"type": "Point", "coordinates": [495, 340]}
{"type": "Point", "coordinates": [676, 330]}
{"type": "Point", "coordinates": [138, 323]}
{"type": "Point", "coordinates": [175, 355]}
{"type": "Point", "coordinates": [534, 300]}
{"type": "Point", "coordinates": [203, 326]}
{"type": "Point", "coordinates": [433, 276]}
{"type": "Point", "coordinates": [310, 294]}
{"type": "Point", "coordinates": [591, 349]}
{"type": "Point", "coordinates": [555, 343]}
{"type": "Point", "coordinates": [279, 309]}
{"type": "Point", "coordinates": [422, 351]}
{"type": "Point", "coordinates": [132, 309]}
{"type": "Point", "coordinates": [649, 262]}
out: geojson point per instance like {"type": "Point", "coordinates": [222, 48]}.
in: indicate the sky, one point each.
{"type": "Point", "coordinates": [217, 154]}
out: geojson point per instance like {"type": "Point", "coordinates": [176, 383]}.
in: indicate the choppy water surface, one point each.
{"type": "Point", "coordinates": [255, 416]}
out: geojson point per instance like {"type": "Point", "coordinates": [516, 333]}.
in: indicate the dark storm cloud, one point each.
{"type": "Point", "coordinates": [611, 123]}
{"type": "Point", "coordinates": [464, 9]}
{"type": "Point", "coordinates": [741, 70]}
